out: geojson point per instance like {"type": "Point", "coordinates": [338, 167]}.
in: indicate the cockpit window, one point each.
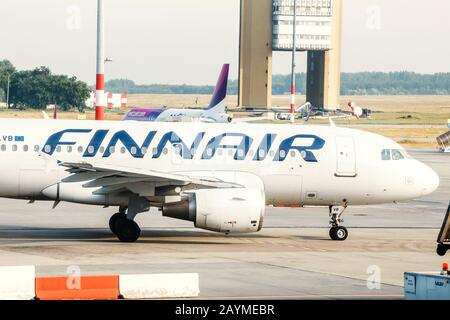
{"type": "Point", "coordinates": [397, 155]}
{"type": "Point", "coordinates": [386, 154]}
{"type": "Point", "coordinates": [393, 154]}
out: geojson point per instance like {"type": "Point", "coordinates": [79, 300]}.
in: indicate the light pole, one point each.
{"type": "Point", "coordinates": [294, 48]}
{"type": "Point", "coordinates": [8, 81]}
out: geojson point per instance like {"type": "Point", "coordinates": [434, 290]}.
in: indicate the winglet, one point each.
{"type": "Point", "coordinates": [220, 92]}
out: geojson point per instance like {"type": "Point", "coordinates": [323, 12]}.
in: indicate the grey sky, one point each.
{"type": "Point", "coordinates": [186, 41]}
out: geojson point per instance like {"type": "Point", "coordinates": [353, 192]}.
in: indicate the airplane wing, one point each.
{"type": "Point", "coordinates": [112, 178]}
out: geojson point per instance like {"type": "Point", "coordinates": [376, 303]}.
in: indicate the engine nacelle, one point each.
{"type": "Point", "coordinates": [234, 210]}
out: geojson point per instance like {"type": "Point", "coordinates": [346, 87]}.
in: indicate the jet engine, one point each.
{"type": "Point", "coordinates": [234, 210]}
{"type": "Point", "coordinates": [220, 118]}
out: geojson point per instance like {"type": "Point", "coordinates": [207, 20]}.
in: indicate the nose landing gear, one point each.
{"type": "Point", "coordinates": [337, 232]}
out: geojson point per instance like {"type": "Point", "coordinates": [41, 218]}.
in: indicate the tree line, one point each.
{"type": "Point", "coordinates": [39, 88]}
{"type": "Point", "coordinates": [361, 83]}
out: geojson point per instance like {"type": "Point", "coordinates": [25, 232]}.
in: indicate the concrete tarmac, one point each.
{"type": "Point", "coordinates": [291, 258]}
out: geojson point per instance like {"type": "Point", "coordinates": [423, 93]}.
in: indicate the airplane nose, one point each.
{"type": "Point", "coordinates": [429, 181]}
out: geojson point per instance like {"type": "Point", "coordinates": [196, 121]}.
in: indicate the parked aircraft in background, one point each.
{"type": "Point", "coordinates": [219, 176]}
{"type": "Point", "coordinates": [214, 113]}
{"type": "Point", "coordinates": [308, 111]}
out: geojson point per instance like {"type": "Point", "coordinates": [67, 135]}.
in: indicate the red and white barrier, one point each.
{"type": "Point", "coordinates": [20, 283]}
{"type": "Point", "coordinates": [17, 283]}
{"type": "Point", "coordinates": [157, 286]}
{"type": "Point", "coordinates": [78, 288]}
{"type": "Point", "coordinates": [113, 100]}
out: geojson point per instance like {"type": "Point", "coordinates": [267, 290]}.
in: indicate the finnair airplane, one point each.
{"type": "Point", "coordinates": [214, 113]}
{"type": "Point", "coordinates": [219, 176]}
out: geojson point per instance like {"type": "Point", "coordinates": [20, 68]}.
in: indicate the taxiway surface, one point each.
{"type": "Point", "coordinates": [292, 257]}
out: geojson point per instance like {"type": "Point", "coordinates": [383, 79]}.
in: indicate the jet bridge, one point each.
{"type": "Point", "coordinates": [444, 235]}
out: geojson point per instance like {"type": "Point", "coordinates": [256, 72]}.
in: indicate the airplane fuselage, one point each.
{"type": "Point", "coordinates": [298, 165]}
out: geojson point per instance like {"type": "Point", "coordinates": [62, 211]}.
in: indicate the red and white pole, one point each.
{"type": "Point", "coordinates": [100, 99]}
{"type": "Point", "coordinates": [293, 98]}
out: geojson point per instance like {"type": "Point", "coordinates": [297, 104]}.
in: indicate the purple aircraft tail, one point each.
{"type": "Point", "coordinates": [220, 92]}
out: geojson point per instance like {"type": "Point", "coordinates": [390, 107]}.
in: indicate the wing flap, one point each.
{"type": "Point", "coordinates": [112, 179]}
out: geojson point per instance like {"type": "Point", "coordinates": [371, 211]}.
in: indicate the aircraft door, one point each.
{"type": "Point", "coordinates": [346, 157]}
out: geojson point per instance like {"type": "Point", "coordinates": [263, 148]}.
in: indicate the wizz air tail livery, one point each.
{"type": "Point", "coordinates": [219, 176]}
{"type": "Point", "coordinates": [214, 113]}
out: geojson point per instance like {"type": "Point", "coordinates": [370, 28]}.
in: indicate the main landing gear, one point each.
{"type": "Point", "coordinates": [126, 230]}
{"type": "Point", "coordinates": [122, 223]}
{"type": "Point", "coordinates": [337, 232]}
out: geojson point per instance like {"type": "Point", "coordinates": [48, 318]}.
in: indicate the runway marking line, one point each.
{"type": "Point", "coordinates": [78, 288]}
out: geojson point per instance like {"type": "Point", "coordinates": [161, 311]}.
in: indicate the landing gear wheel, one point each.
{"type": "Point", "coordinates": [338, 233]}
{"type": "Point", "coordinates": [127, 230]}
{"type": "Point", "coordinates": [113, 221]}
{"type": "Point", "coordinates": [441, 250]}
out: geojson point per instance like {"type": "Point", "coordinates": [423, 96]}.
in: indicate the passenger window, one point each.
{"type": "Point", "coordinates": [91, 149]}
{"type": "Point", "coordinates": [80, 149]}
{"type": "Point", "coordinates": [144, 150]}
{"type": "Point", "coordinates": [177, 150]}
{"type": "Point", "coordinates": [261, 153]}
{"type": "Point", "coordinates": [165, 151]}
{"type": "Point", "coordinates": [47, 148]}
{"type": "Point", "coordinates": [69, 149]}
{"type": "Point", "coordinates": [101, 149]}
{"type": "Point", "coordinates": [14, 147]}
{"type": "Point", "coordinates": [386, 154]}
{"type": "Point", "coordinates": [133, 150]}
{"type": "Point", "coordinates": [3, 147]}
{"type": "Point", "coordinates": [397, 155]}
{"type": "Point", "coordinates": [25, 148]}
{"type": "Point", "coordinates": [122, 150]}
{"type": "Point", "coordinates": [293, 153]}
{"type": "Point", "coordinates": [58, 149]}
{"type": "Point", "coordinates": [36, 148]}
{"type": "Point", "coordinates": [112, 150]}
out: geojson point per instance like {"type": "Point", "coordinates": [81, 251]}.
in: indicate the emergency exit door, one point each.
{"type": "Point", "coordinates": [346, 157]}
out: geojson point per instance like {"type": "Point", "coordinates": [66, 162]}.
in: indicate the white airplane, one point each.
{"type": "Point", "coordinates": [219, 176]}
{"type": "Point", "coordinates": [215, 112]}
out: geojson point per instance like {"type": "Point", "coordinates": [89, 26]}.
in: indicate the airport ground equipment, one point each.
{"type": "Point", "coordinates": [427, 285]}
{"type": "Point", "coordinates": [444, 142]}
{"type": "Point", "coordinates": [444, 235]}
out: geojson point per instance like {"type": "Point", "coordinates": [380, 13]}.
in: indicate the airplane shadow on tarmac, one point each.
{"type": "Point", "coordinates": [157, 236]}
{"type": "Point", "coordinates": [23, 234]}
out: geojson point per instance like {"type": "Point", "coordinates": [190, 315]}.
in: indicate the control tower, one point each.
{"type": "Point", "coordinates": [267, 26]}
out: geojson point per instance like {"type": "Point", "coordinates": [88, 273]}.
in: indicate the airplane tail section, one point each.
{"type": "Point", "coordinates": [217, 103]}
